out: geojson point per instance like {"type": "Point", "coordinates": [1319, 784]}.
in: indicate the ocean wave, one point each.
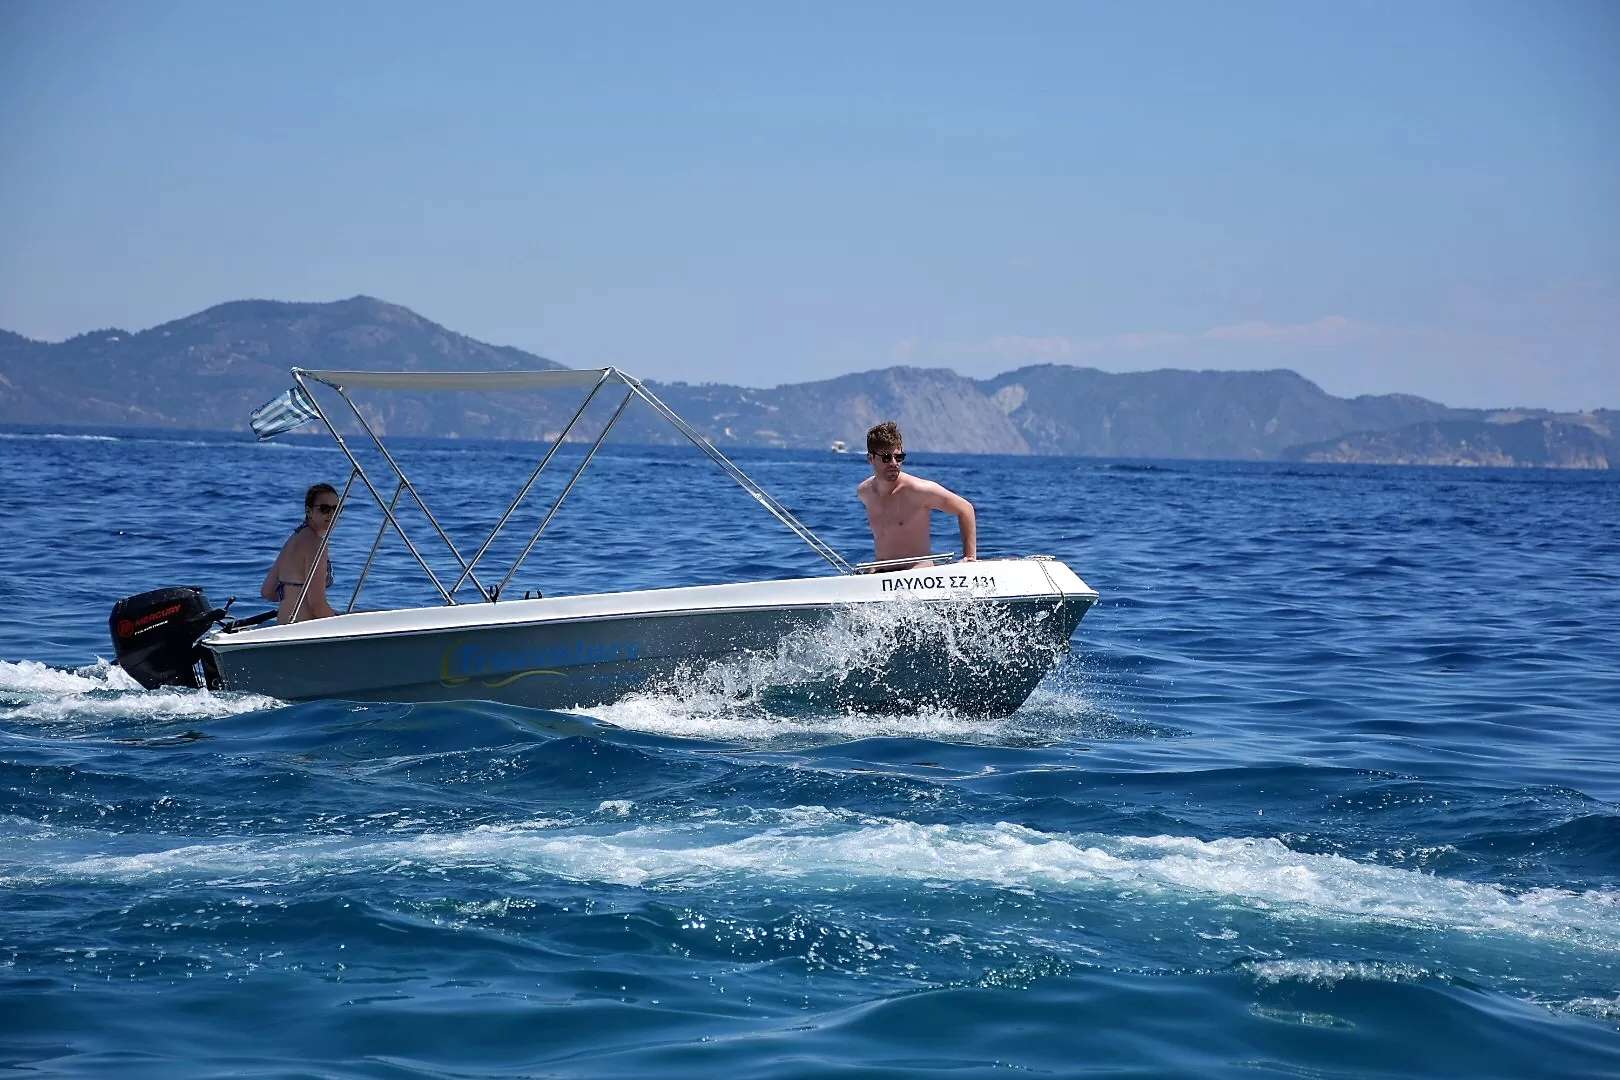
{"type": "Point", "coordinates": [702, 714]}
{"type": "Point", "coordinates": [1126, 467]}
{"type": "Point", "coordinates": [1597, 1008]}
{"type": "Point", "coordinates": [1591, 840]}
{"type": "Point", "coordinates": [1052, 715]}
{"type": "Point", "coordinates": [217, 444]}
{"type": "Point", "coordinates": [271, 444]}
{"type": "Point", "coordinates": [1333, 972]}
{"type": "Point", "coordinates": [30, 690]}
{"type": "Point", "coordinates": [161, 704]}
{"type": "Point", "coordinates": [829, 845]}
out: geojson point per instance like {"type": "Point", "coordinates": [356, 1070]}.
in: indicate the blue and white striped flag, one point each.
{"type": "Point", "coordinates": [283, 413]}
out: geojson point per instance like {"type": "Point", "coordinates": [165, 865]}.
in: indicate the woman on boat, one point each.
{"type": "Point", "coordinates": [295, 571]}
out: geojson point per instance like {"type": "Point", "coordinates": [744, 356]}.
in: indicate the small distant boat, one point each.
{"type": "Point", "coordinates": [838, 447]}
{"type": "Point", "coordinates": [928, 632]}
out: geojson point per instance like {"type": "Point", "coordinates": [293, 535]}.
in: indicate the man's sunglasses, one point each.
{"type": "Point", "coordinates": [898, 457]}
{"type": "Point", "coordinates": [325, 508]}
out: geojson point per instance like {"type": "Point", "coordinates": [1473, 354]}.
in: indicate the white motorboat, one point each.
{"type": "Point", "coordinates": [933, 633]}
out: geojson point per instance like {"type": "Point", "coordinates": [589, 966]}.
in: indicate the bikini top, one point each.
{"type": "Point", "coordinates": [280, 582]}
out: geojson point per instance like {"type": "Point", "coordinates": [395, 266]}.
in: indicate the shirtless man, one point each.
{"type": "Point", "coordinates": [898, 504]}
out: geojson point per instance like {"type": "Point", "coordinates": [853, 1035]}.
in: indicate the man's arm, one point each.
{"type": "Point", "coordinates": [952, 503]}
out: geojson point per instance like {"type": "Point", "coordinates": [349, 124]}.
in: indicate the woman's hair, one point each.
{"type": "Point", "coordinates": [314, 491]}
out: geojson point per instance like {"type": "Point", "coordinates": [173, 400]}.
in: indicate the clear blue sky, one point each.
{"type": "Point", "coordinates": [1385, 197]}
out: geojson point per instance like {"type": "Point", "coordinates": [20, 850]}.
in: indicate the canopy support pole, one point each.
{"type": "Point", "coordinates": [524, 490]}
{"type": "Point", "coordinates": [777, 510]}
{"type": "Point", "coordinates": [364, 479]}
{"type": "Point", "coordinates": [455, 381]}
{"type": "Point", "coordinates": [405, 480]}
{"type": "Point", "coordinates": [326, 538]}
{"type": "Point", "coordinates": [382, 529]}
{"type": "Point", "coordinates": [572, 480]}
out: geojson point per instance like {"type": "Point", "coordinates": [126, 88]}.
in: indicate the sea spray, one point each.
{"type": "Point", "coordinates": [803, 682]}
{"type": "Point", "coordinates": [1300, 894]}
{"type": "Point", "coordinates": [90, 696]}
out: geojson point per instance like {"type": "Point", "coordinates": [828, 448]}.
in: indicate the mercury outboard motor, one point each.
{"type": "Point", "coordinates": [155, 636]}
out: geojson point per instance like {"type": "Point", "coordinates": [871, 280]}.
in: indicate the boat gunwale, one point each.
{"type": "Point", "coordinates": [1090, 596]}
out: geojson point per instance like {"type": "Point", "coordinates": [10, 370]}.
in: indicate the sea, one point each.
{"type": "Point", "coordinates": [1327, 785]}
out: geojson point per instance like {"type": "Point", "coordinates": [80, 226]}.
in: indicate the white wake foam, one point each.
{"type": "Point", "coordinates": [104, 691]}
{"type": "Point", "coordinates": [697, 714]}
{"type": "Point", "coordinates": [741, 697]}
{"type": "Point", "coordinates": [1333, 972]}
{"type": "Point", "coordinates": [1598, 1008]}
{"type": "Point", "coordinates": [1262, 874]}
{"type": "Point", "coordinates": [33, 677]}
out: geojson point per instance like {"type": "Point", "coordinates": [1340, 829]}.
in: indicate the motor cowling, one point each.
{"type": "Point", "coordinates": [155, 635]}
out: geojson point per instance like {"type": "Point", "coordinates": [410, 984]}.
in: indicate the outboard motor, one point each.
{"type": "Point", "coordinates": [155, 636]}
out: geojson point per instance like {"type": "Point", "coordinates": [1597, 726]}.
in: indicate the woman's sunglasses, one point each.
{"type": "Point", "coordinates": [898, 457]}
{"type": "Point", "coordinates": [326, 508]}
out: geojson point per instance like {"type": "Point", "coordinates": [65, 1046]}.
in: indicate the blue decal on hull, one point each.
{"type": "Point", "coordinates": [501, 665]}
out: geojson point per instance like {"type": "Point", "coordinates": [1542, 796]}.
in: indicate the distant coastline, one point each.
{"type": "Point", "coordinates": [205, 372]}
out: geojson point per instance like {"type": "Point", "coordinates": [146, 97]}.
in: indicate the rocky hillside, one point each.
{"type": "Point", "coordinates": [1186, 414]}
{"type": "Point", "coordinates": [1581, 441]}
{"type": "Point", "coordinates": [937, 410]}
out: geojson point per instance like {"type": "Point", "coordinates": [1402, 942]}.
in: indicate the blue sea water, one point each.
{"type": "Point", "coordinates": [1329, 786]}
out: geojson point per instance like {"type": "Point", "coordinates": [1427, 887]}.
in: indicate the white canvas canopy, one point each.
{"type": "Point", "coordinates": [557, 378]}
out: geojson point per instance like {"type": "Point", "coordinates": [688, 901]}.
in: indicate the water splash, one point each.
{"type": "Point", "coordinates": [103, 691]}
{"type": "Point", "coordinates": [33, 677]}
{"type": "Point", "coordinates": [803, 684]}
{"type": "Point", "coordinates": [696, 714]}
{"type": "Point", "coordinates": [1598, 1008]}
{"type": "Point", "coordinates": [1327, 973]}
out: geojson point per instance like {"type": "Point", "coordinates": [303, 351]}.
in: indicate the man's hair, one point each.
{"type": "Point", "coordinates": [884, 436]}
{"type": "Point", "coordinates": [314, 491]}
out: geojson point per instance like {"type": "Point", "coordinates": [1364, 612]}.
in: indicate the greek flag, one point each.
{"type": "Point", "coordinates": [282, 413]}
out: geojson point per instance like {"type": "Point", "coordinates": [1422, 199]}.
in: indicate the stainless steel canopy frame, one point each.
{"type": "Point", "coordinates": [592, 378]}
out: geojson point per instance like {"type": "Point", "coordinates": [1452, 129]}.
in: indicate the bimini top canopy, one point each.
{"type": "Point", "coordinates": [298, 406]}
{"type": "Point", "coordinates": [558, 378]}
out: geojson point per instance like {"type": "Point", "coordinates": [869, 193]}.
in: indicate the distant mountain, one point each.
{"type": "Point", "coordinates": [1584, 441]}
{"type": "Point", "coordinates": [937, 410]}
{"type": "Point", "coordinates": [1186, 414]}
{"type": "Point", "coordinates": [209, 370]}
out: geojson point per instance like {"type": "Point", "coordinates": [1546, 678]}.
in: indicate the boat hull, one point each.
{"type": "Point", "coordinates": [892, 643]}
